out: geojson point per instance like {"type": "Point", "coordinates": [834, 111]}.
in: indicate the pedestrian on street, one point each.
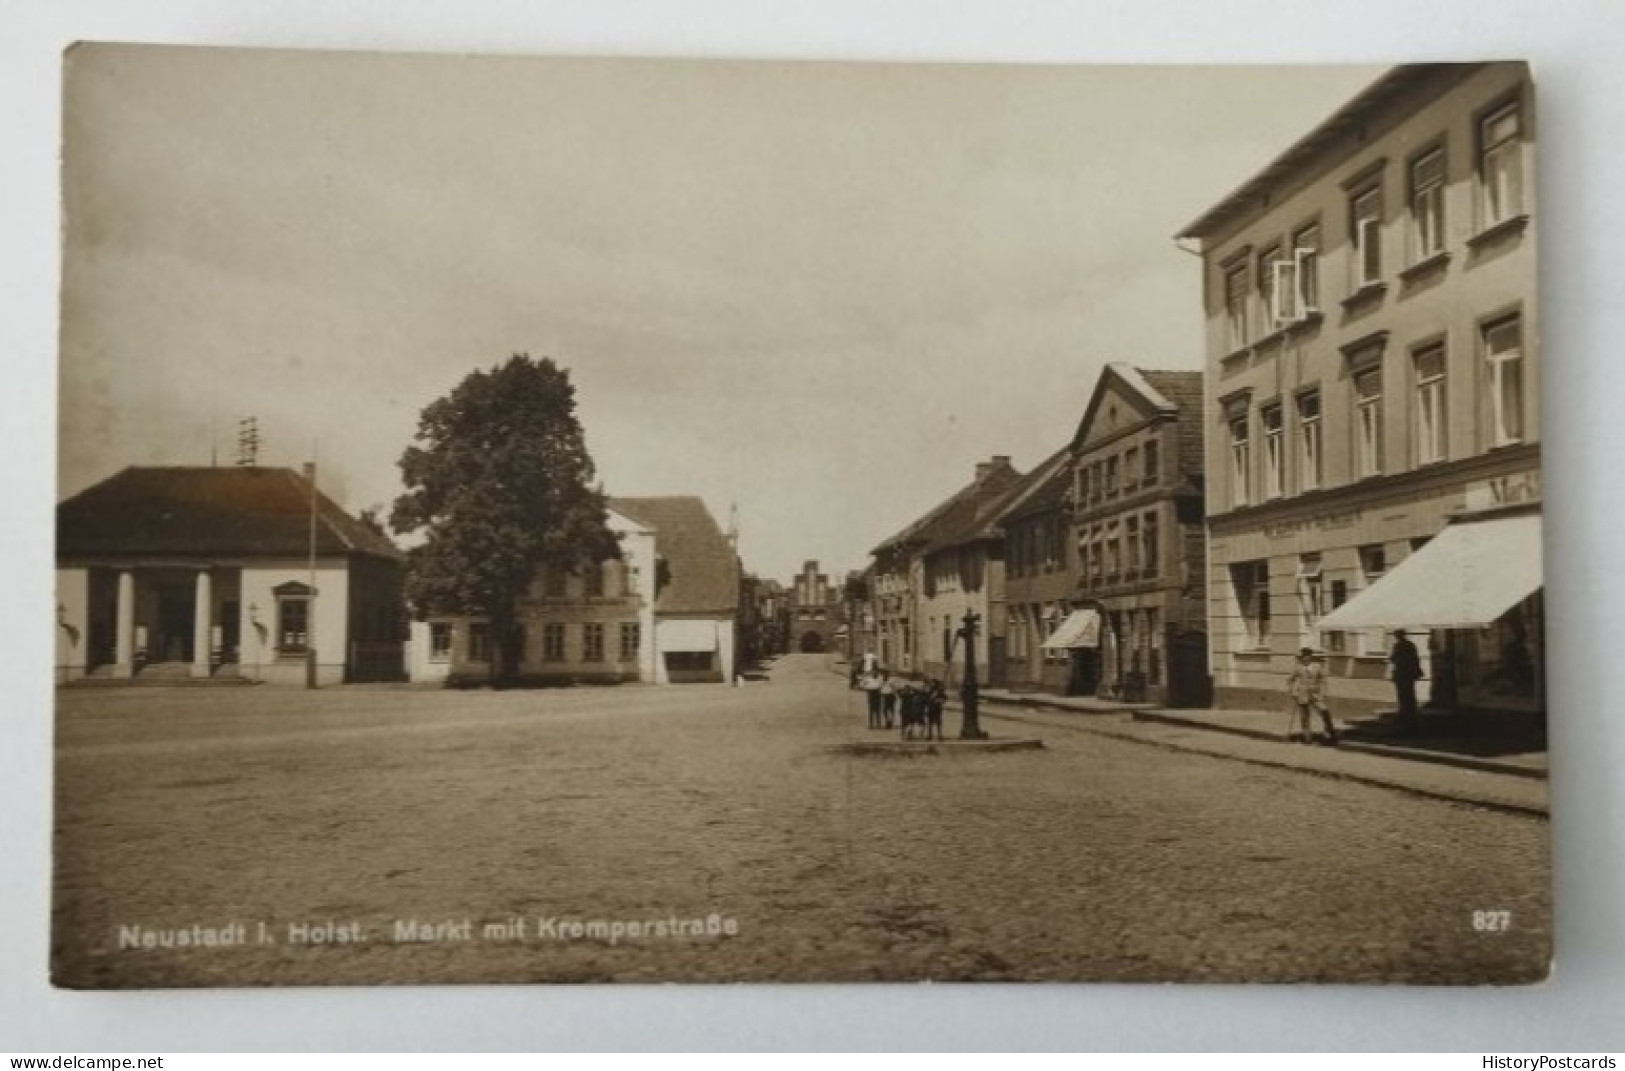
{"type": "Point", "coordinates": [1405, 667]}
{"type": "Point", "coordinates": [870, 685]}
{"type": "Point", "coordinates": [888, 699]}
{"type": "Point", "coordinates": [1307, 687]}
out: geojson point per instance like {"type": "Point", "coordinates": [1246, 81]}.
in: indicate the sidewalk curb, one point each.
{"type": "Point", "coordinates": [1438, 758]}
{"type": "Point", "coordinates": [1472, 800]}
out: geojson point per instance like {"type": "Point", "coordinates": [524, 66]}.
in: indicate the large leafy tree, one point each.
{"type": "Point", "coordinates": [500, 483]}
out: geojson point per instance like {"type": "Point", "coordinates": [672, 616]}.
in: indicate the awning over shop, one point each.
{"type": "Point", "coordinates": [1080, 629]}
{"type": "Point", "coordinates": [686, 635]}
{"type": "Point", "coordinates": [1467, 576]}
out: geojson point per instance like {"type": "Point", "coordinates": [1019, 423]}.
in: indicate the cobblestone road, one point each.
{"type": "Point", "coordinates": [1094, 859]}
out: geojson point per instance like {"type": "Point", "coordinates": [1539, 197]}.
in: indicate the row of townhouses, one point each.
{"type": "Point", "coordinates": [252, 573]}
{"type": "Point", "coordinates": [1360, 452]}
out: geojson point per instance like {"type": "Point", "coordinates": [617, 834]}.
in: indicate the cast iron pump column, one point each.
{"type": "Point", "coordinates": [970, 727]}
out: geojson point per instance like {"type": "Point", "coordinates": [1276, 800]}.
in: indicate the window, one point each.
{"type": "Point", "coordinates": [631, 638]}
{"type": "Point", "coordinates": [1131, 536]}
{"type": "Point", "coordinates": [1083, 484]}
{"type": "Point", "coordinates": [1365, 230]}
{"type": "Point", "coordinates": [553, 642]}
{"type": "Point", "coordinates": [1153, 463]}
{"type": "Point", "coordinates": [1114, 552]}
{"type": "Point", "coordinates": [1500, 167]}
{"type": "Point", "coordinates": [479, 642]}
{"type": "Point", "coordinates": [439, 641]}
{"type": "Point", "coordinates": [1368, 422]}
{"type": "Point", "coordinates": [1111, 476]}
{"type": "Point", "coordinates": [1235, 307]}
{"type": "Point", "coordinates": [1096, 557]}
{"type": "Point", "coordinates": [1373, 564]}
{"type": "Point", "coordinates": [1306, 269]}
{"type": "Point", "coordinates": [1310, 604]}
{"type": "Point", "coordinates": [1503, 349]}
{"type": "Point", "coordinates": [592, 642]}
{"type": "Point", "coordinates": [1270, 417]}
{"type": "Point", "coordinates": [1131, 467]}
{"type": "Point", "coordinates": [1427, 205]}
{"type": "Point", "coordinates": [1251, 581]}
{"type": "Point", "coordinates": [1240, 461]}
{"type": "Point", "coordinates": [1431, 424]}
{"type": "Point", "coordinates": [292, 617]}
{"type": "Point", "coordinates": [1337, 642]}
{"type": "Point", "coordinates": [1152, 548]}
{"type": "Point", "coordinates": [1268, 291]}
{"type": "Point", "coordinates": [1309, 440]}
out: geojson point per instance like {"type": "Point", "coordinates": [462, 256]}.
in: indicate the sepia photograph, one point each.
{"type": "Point", "coordinates": [565, 519]}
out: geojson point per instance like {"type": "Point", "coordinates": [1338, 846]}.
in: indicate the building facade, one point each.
{"type": "Point", "coordinates": [817, 611]}
{"type": "Point", "coordinates": [664, 612]}
{"type": "Point", "coordinates": [232, 573]}
{"type": "Point", "coordinates": [1137, 499]}
{"type": "Point", "coordinates": [1372, 383]}
{"type": "Point", "coordinates": [1040, 581]}
{"type": "Point", "coordinates": [960, 571]}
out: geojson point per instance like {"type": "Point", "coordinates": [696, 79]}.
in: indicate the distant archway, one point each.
{"type": "Point", "coordinates": [811, 642]}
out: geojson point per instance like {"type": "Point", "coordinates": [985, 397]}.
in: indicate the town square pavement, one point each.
{"type": "Point", "coordinates": [377, 834]}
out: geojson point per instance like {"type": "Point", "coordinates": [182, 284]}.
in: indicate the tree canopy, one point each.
{"type": "Point", "coordinates": [500, 483]}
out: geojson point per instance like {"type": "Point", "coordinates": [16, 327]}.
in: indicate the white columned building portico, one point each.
{"type": "Point", "coordinates": [124, 649]}
{"type": "Point", "coordinates": [202, 621]}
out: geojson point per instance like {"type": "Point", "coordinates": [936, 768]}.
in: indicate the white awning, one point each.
{"type": "Point", "coordinates": [685, 635]}
{"type": "Point", "coordinates": [1080, 629]}
{"type": "Point", "coordinates": [1467, 576]}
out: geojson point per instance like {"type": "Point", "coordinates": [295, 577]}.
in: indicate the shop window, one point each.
{"type": "Point", "coordinates": [1251, 583]}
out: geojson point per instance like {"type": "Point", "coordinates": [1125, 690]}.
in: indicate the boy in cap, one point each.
{"type": "Point", "coordinates": [1307, 686]}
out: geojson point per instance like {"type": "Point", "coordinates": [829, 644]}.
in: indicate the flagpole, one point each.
{"type": "Point", "coordinates": [310, 612]}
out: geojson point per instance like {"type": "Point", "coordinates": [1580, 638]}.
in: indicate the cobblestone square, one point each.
{"type": "Point", "coordinates": [370, 835]}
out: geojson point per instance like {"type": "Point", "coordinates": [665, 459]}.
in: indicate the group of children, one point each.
{"type": "Point", "coordinates": [920, 706]}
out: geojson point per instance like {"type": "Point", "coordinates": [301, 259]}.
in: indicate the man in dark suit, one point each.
{"type": "Point", "coordinates": [1406, 669]}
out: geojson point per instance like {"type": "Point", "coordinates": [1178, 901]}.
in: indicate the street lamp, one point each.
{"type": "Point", "coordinates": [970, 727]}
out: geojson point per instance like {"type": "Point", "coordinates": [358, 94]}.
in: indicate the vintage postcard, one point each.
{"type": "Point", "coordinates": [538, 519]}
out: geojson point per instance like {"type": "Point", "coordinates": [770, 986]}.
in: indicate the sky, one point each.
{"type": "Point", "coordinates": [817, 292]}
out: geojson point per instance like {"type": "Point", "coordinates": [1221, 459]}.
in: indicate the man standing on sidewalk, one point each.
{"type": "Point", "coordinates": [1307, 686]}
{"type": "Point", "coordinates": [1406, 669]}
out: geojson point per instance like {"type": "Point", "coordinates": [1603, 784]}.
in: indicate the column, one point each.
{"type": "Point", "coordinates": [124, 649]}
{"type": "Point", "coordinates": [202, 624]}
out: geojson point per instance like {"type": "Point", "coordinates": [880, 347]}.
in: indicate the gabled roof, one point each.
{"type": "Point", "coordinates": [951, 515]}
{"type": "Point", "coordinates": [976, 515]}
{"type": "Point", "coordinates": [208, 512]}
{"type": "Point", "coordinates": [702, 572]}
{"type": "Point", "coordinates": [1158, 390]}
{"type": "Point", "coordinates": [1045, 488]}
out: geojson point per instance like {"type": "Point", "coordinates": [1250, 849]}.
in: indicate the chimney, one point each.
{"type": "Point", "coordinates": [984, 469]}
{"type": "Point", "coordinates": [310, 471]}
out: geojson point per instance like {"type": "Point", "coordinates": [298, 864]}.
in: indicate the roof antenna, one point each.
{"type": "Point", "coordinates": [248, 443]}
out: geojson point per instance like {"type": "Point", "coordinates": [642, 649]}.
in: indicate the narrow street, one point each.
{"type": "Point", "coordinates": [354, 812]}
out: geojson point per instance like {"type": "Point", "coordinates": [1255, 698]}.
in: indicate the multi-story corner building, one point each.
{"type": "Point", "coordinates": [1373, 397]}
{"type": "Point", "coordinates": [1040, 581]}
{"type": "Point", "coordinates": [929, 574]}
{"type": "Point", "coordinates": [1137, 498]}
